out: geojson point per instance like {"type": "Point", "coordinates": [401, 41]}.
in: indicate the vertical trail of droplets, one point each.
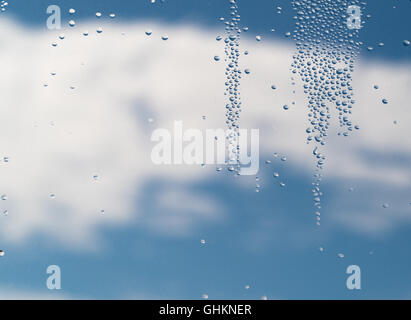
{"type": "Point", "coordinates": [326, 49]}
{"type": "Point", "coordinates": [232, 85]}
{"type": "Point", "coordinates": [3, 5]}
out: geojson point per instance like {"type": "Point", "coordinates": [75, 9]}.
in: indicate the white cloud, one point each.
{"type": "Point", "coordinates": [19, 294]}
{"type": "Point", "coordinates": [57, 138]}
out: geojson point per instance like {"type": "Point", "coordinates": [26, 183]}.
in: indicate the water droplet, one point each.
{"type": "Point", "coordinates": [216, 58]}
{"type": "Point", "coordinates": [72, 11]}
{"type": "Point", "coordinates": [164, 38]}
{"type": "Point", "coordinates": [384, 101]}
{"type": "Point", "coordinates": [341, 255]}
{"type": "Point", "coordinates": [72, 23]}
{"type": "Point", "coordinates": [4, 197]}
{"type": "Point", "coordinates": [406, 43]}
{"type": "Point", "coordinates": [258, 38]}
{"type": "Point", "coordinates": [99, 30]}
{"type": "Point", "coordinates": [98, 14]}
{"type": "Point", "coordinates": [1, 253]}
{"type": "Point", "coordinates": [385, 205]}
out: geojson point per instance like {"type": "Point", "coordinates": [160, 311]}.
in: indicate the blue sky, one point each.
{"type": "Point", "coordinates": [267, 240]}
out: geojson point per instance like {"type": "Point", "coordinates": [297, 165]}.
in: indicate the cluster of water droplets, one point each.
{"type": "Point", "coordinates": [326, 50]}
{"type": "Point", "coordinates": [232, 85]}
{"type": "Point", "coordinates": [3, 5]}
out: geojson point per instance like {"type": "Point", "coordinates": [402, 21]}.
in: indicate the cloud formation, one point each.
{"type": "Point", "coordinates": [74, 125]}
